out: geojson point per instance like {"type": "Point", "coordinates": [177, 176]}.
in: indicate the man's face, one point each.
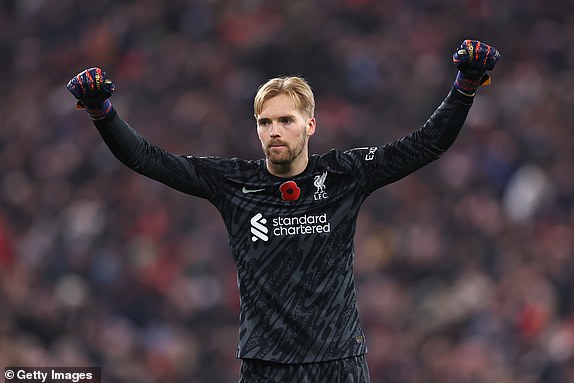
{"type": "Point", "coordinates": [284, 131]}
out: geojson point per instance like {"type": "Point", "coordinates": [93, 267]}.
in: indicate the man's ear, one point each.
{"type": "Point", "coordinates": [311, 125]}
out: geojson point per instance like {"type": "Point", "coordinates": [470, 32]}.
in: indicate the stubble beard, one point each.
{"type": "Point", "coordinates": [287, 155]}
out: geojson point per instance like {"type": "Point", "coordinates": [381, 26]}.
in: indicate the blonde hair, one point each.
{"type": "Point", "coordinates": [295, 87]}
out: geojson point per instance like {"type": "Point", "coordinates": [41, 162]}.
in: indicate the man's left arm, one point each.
{"type": "Point", "coordinates": [389, 163]}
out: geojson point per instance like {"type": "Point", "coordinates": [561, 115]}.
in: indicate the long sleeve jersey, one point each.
{"type": "Point", "coordinates": [292, 238]}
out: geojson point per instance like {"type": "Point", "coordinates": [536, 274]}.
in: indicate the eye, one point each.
{"type": "Point", "coordinates": [264, 122]}
{"type": "Point", "coordinates": [286, 120]}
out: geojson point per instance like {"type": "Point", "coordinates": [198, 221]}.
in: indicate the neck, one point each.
{"type": "Point", "coordinates": [289, 169]}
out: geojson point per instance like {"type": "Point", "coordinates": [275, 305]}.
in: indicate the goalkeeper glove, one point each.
{"type": "Point", "coordinates": [472, 59]}
{"type": "Point", "coordinates": [92, 89]}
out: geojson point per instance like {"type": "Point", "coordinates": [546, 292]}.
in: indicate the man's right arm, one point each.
{"type": "Point", "coordinates": [187, 174]}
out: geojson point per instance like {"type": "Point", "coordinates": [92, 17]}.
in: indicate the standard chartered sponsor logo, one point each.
{"type": "Point", "coordinates": [306, 224]}
{"type": "Point", "coordinates": [258, 228]}
{"type": "Point", "coordinates": [283, 226]}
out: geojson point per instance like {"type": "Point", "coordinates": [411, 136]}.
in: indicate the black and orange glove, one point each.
{"type": "Point", "coordinates": [93, 90]}
{"type": "Point", "coordinates": [473, 59]}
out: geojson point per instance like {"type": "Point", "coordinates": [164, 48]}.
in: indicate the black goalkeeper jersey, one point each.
{"type": "Point", "coordinates": [292, 238]}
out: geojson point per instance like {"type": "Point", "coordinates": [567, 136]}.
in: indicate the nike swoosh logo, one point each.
{"type": "Point", "coordinates": [245, 190]}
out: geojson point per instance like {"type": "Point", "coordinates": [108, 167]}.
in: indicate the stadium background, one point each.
{"type": "Point", "coordinates": [465, 270]}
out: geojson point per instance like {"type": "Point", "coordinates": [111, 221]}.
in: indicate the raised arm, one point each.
{"type": "Point", "coordinates": [188, 174]}
{"type": "Point", "coordinates": [391, 162]}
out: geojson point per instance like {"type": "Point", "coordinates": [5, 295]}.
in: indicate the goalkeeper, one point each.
{"type": "Point", "coordinates": [291, 216]}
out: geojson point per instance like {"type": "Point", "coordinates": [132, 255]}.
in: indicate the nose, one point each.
{"type": "Point", "coordinates": [274, 131]}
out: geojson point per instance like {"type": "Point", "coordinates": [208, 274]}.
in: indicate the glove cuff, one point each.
{"type": "Point", "coordinates": [466, 85]}
{"type": "Point", "coordinates": [98, 112]}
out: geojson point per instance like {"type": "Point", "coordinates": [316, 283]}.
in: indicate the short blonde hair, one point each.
{"type": "Point", "coordinates": [295, 87]}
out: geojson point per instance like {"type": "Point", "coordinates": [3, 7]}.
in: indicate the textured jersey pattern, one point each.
{"type": "Point", "coordinates": [292, 239]}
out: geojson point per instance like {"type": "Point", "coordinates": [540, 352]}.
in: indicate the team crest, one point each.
{"type": "Point", "coordinates": [319, 183]}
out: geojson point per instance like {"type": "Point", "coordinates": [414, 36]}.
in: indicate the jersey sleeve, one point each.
{"type": "Point", "coordinates": [381, 165]}
{"type": "Point", "coordinates": [191, 175]}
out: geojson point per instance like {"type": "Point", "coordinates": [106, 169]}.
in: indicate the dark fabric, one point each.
{"type": "Point", "coordinates": [292, 239]}
{"type": "Point", "coordinates": [349, 370]}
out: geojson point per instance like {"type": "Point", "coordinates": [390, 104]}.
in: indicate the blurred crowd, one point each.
{"type": "Point", "coordinates": [465, 269]}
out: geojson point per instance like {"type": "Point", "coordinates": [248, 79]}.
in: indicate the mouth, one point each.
{"type": "Point", "coordinates": [276, 145]}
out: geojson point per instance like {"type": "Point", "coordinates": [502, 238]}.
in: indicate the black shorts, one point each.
{"type": "Point", "coordinates": [349, 370]}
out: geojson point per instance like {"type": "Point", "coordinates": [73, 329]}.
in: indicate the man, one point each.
{"type": "Point", "coordinates": [291, 216]}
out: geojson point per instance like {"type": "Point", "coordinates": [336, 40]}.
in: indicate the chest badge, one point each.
{"type": "Point", "coordinates": [289, 191]}
{"type": "Point", "coordinates": [319, 182]}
